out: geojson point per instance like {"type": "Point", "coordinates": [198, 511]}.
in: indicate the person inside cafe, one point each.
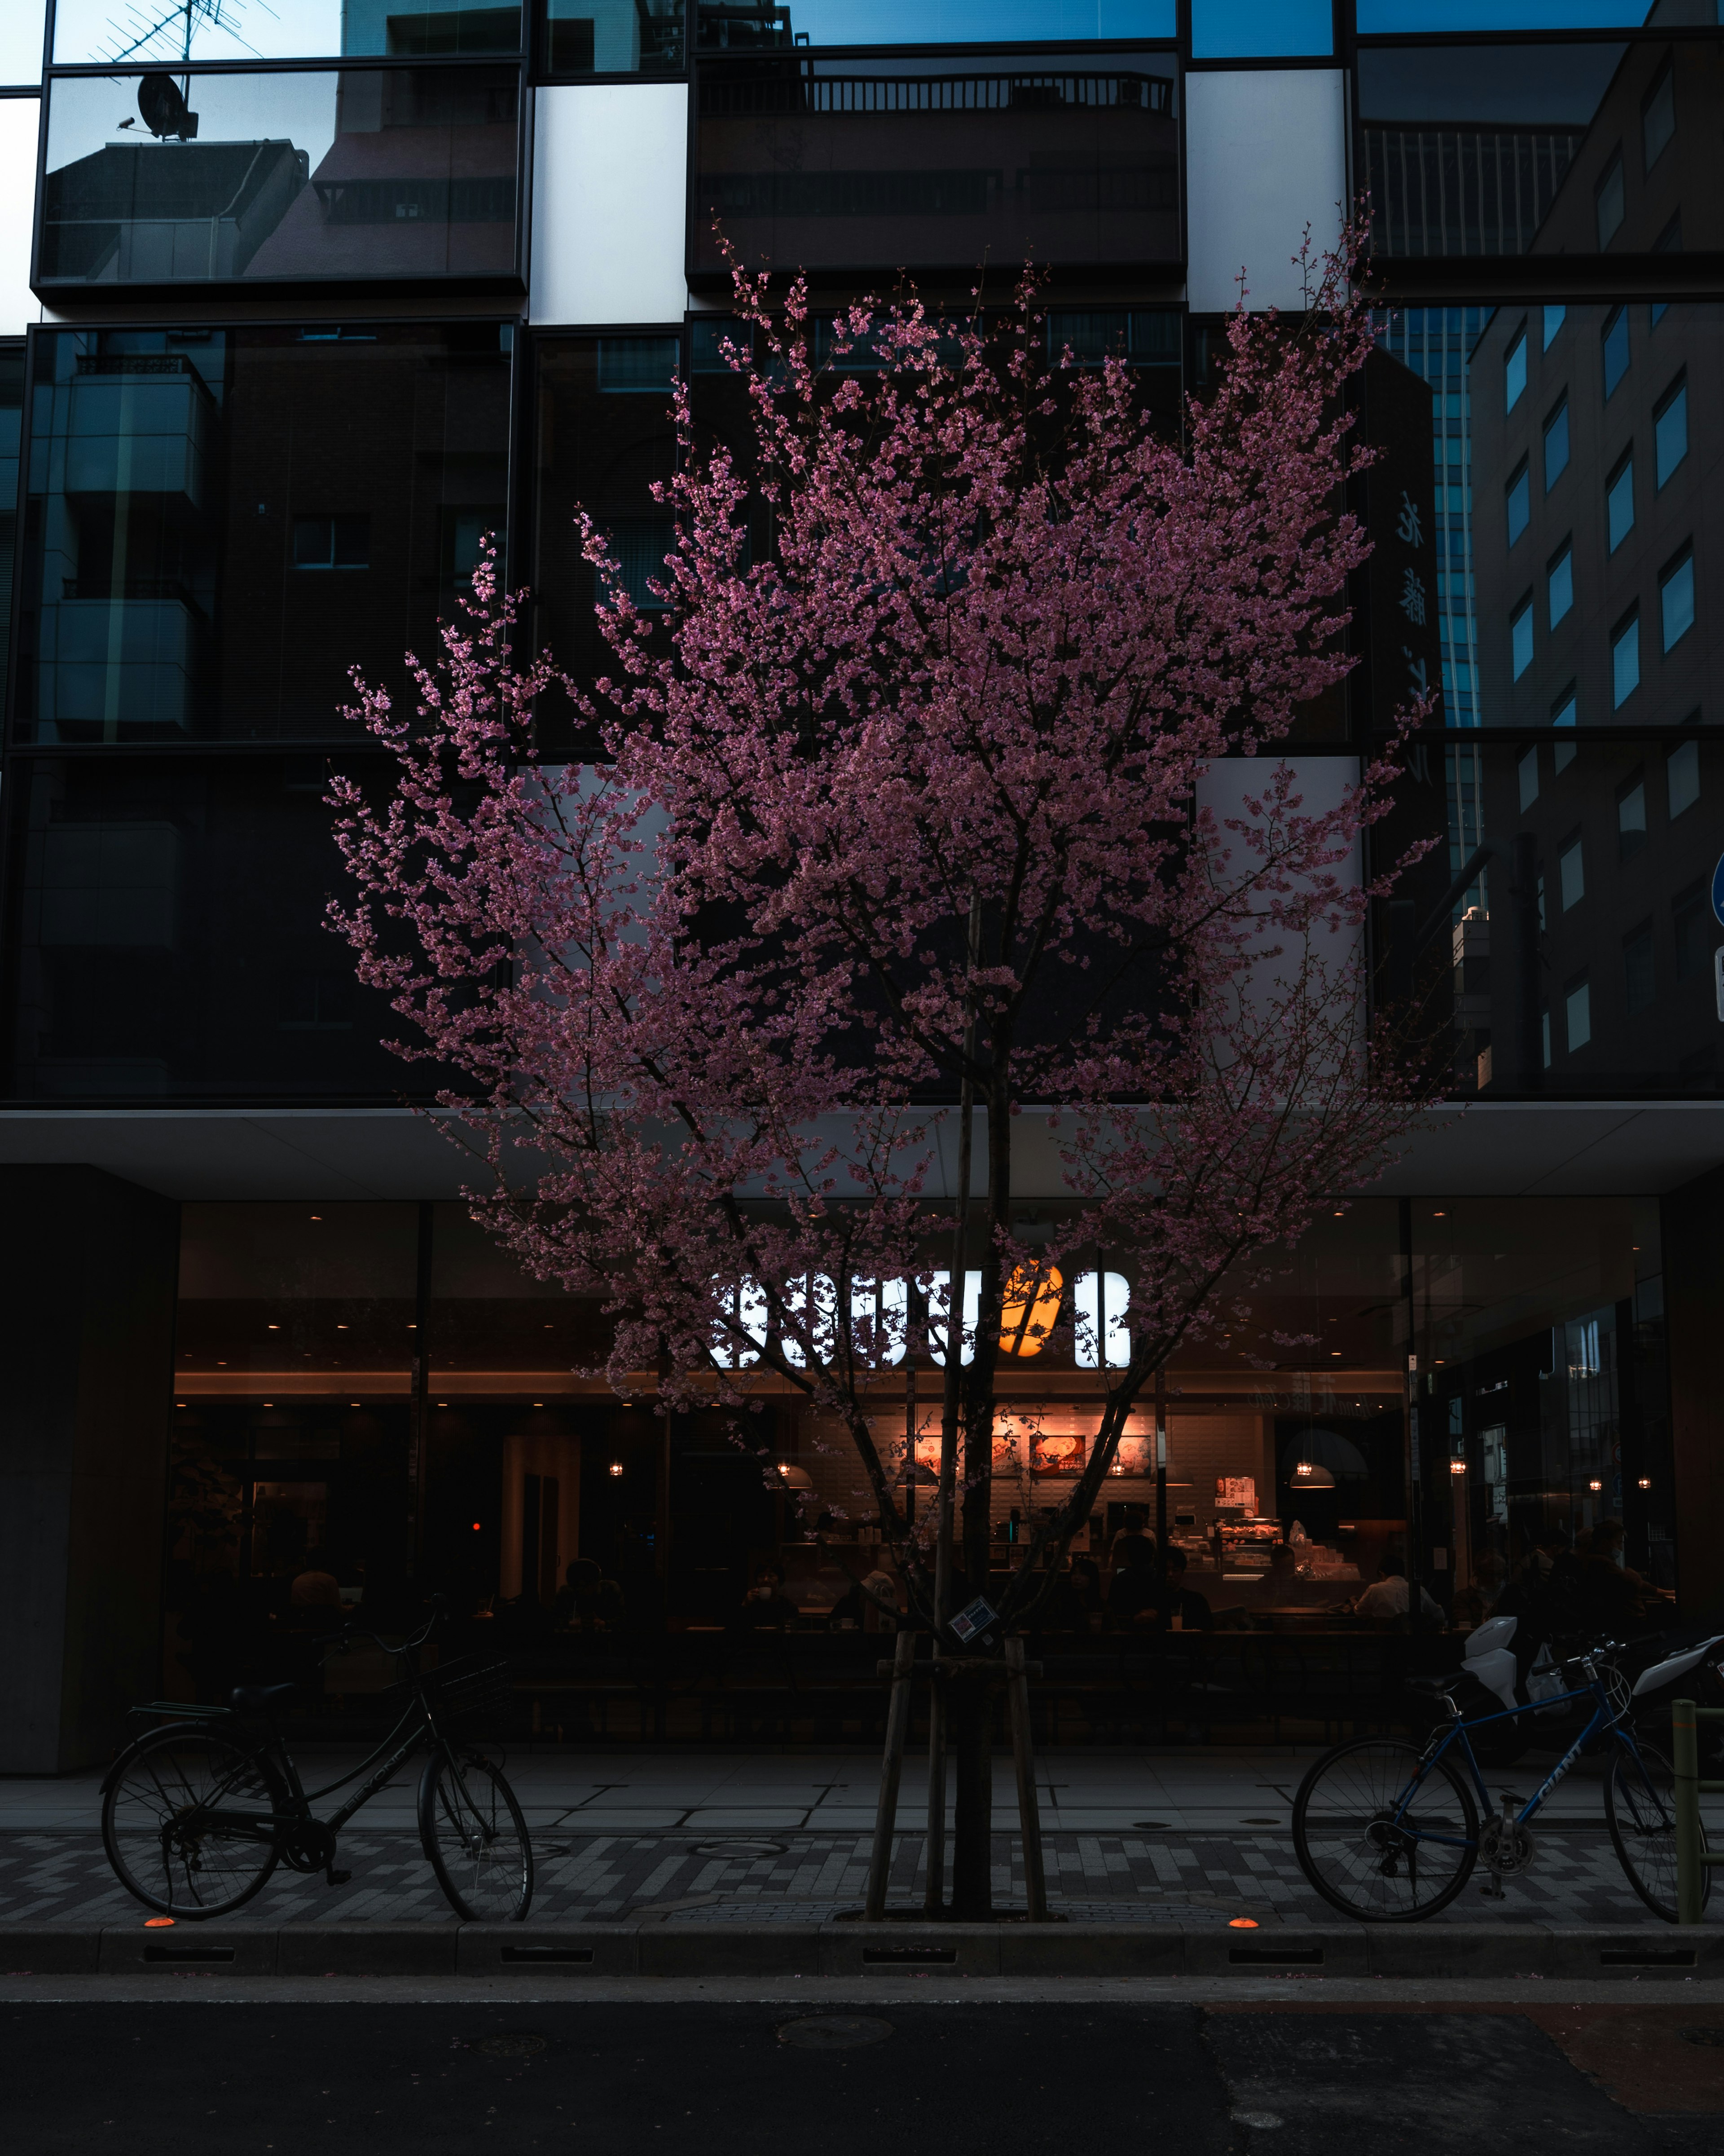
{"type": "Point", "coordinates": [1614, 1600]}
{"type": "Point", "coordinates": [315, 1586]}
{"type": "Point", "coordinates": [1136, 1577]}
{"type": "Point", "coordinates": [1176, 1609]}
{"type": "Point", "coordinates": [766, 1607]}
{"type": "Point", "coordinates": [586, 1601]}
{"type": "Point", "coordinates": [1386, 1602]}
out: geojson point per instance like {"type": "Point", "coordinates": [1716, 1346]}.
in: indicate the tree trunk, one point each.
{"type": "Point", "coordinates": [969, 1698]}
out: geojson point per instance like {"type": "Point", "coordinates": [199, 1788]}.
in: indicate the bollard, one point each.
{"type": "Point", "coordinates": [1685, 1753]}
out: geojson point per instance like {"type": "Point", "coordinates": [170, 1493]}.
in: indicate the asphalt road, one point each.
{"type": "Point", "coordinates": [608, 2079]}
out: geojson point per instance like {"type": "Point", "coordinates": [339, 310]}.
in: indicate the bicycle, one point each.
{"type": "Point", "coordinates": [1387, 1831]}
{"type": "Point", "coordinates": [195, 1815]}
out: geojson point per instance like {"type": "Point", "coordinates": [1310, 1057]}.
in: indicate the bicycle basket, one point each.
{"type": "Point", "coordinates": [471, 1697]}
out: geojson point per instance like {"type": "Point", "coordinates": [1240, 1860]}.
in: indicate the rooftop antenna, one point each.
{"type": "Point", "coordinates": [165, 29]}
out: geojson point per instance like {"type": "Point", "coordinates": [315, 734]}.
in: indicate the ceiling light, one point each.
{"type": "Point", "coordinates": [1311, 1475]}
{"type": "Point", "coordinates": [1595, 1484]}
{"type": "Point", "coordinates": [1644, 1482]}
{"type": "Point", "coordinates": [616, 1467]}
{"type": "Point", "coordinates": [794, 1478]}
{"type": "Point", "coordinates": [1457, 1467]}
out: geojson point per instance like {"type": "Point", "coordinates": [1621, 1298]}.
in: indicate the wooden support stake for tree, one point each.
{"type": "Point", "coordinates": [1023, 1756]}
{"type": "Point", "coordinates": [879, 1863]}
{"type": "Point", "coordinates": [934, 1894]}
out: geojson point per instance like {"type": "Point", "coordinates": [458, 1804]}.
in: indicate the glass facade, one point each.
{"type": "Point", "coordinates": [223, 522]}
{"type": "Point", "coordinates": [167, 936]}
{"type": "Point", "coordinates": [87, 33]}
{"type": "Point", "coordinates": [848, 164]}
{"type": "Point", "coordinates": [289, 177]}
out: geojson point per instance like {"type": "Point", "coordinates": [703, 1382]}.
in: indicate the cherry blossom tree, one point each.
{"type": "Point", "coordinates": [915, 849]}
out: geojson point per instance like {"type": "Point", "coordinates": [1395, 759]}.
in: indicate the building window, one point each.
{"type": "Point", "coordinates": [1624, 660]}
{"type": "Point", "coordinates": [1614, 345]}
{"type": "Point", "coordinates": [1639, 972]}
{"type": "Point", "coordinates": [1676, 598]}
{"type": "Point", "coordinates": [1527, 770]}
{"type": "Point", "coordinates": [1619, 502]}
{"type": "Point", "coordinates": [1544, 1038]}
{"type": "Point", "coordinates": [331, 542]}
{"type": "Point", "coordinates": [1518, 499]}
{"type": "Point", "coordinates": [1658, 116]}
{"type": "Point", "coordinates": [1577, 1012]}
{"type": "Point", "coordinates": [599, 36]}
{"type": "Point", "coordinates": [642, 366]}
{"type": "Point", "coordinates": [1571, 872]}
{"type": "Point", "coordinates": [1682, 776]}
{"type": "Point", "coordinates": [1554, 318]}
{"type": "Point", "coordinates": [1608, 200]}
{"type": "Point", "coordinates": [1688, 924]}
{"type": "Point", "coordinates": [1669, 432]}
{"type": "Point", "coordinates": [1560, 583]}
{"type": "Point", "coordinates": [1563, 714]}
{"type": "Point", "coordinates": [1555, 445]}
{"type": "Point", "coordinates": [1514, 371]}
{"type": "Point", "coordinates": [1520, 637]}
{"type": "Point", "coordinates": [1631, 816]}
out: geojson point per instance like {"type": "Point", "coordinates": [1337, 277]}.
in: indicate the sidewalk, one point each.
{"type": "Point", "coordinates": [1191, 1837]}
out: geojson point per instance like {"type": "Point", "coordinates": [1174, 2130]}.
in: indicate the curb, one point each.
{"type": "Point", "coordinates": [743, 1950]}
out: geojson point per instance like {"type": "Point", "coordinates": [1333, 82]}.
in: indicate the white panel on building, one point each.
{"type": "Point", "coordinates": [1265, 154]}
{"type": "Point", "coordinates": [19, 119]}
{"type": "Point", "coordinates": [610, 202]}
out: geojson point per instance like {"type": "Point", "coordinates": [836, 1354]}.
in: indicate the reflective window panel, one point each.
{"type": "Point", "coordinates": [747, 26]}
{"type": "Point", "coordinates": [22, 27]}
{"type": "Point", "coordinates": [12, 416]}
{"type": "Point", "coordinates": [1385, 18]}
{"type": "Point", "coordinates": [604, 435]}
{"type": "Point", "coordinates": [1261, 30]}
{"type": "Point", "coordinates": [157, 179]}
{"type": "Point", "coordinates": [168, 922]}
{"type": "Point", "coordinates": [1551, 149]}
{"type": "Point", "coordinates": [1600, 474]}
{"type": "Point", "coordinates": [223, 522]}
{"type": "Point", "coordinates": [612, 37]}
{"type": "Point", "coordinates": [89, 31]}
{"type": "Point", "coordinates": [870, 166]}
{"type": "Point", "coordinates": [1583, 950]}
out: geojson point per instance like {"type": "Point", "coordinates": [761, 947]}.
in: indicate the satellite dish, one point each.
{"type": "Point", "coordinates": [162, 108]}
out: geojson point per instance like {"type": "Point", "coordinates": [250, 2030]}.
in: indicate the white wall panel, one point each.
{"type": "Point", "coordinates": [19, 117]}
{"type": "Point", "coordinates": [1265, 153]}
{"type": "Point", "coordinates": [610, 200]}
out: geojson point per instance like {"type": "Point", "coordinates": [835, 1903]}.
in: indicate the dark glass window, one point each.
{"type": "Point", "coordinates": [1620, 504]}
{"type": "Point", "coordinates": [873, 165]}
{"type": "Point", "coordinates": [1555, 445]}
{"type": "Point", "coordinates": [1615, 344]}
{"type": "Point", "coordinates": [84, 30]}
{"type": "Point", "coordinates": [1669, 432]}
{"type": "Point", "coordinates": [1512, 148]}
{"type": "Point", "coordinates": [169, 926]}
{"type": "Point", "coordinates": [1517, 501]}
{"type": "Point", "coordinates": [1259, 29]}
{"type": "Point", "coordinates": [1559, 584]}
{"type": "Point", "coordinates": [604, 438]}
{"type": "Point", "coordinates": [1639, 971]}
{"type": "Point", "coordinates": [1608, 201]}
{"type": "Point", "coordinates": [11, 418]}
{"type": "Point", "coordinates": [1658, 116]}
{"type": "Point", "coordinates": [1676, 598]}
{"type": "Point", "coordinates": [223, 522]}
{"type": "Point", "coordinates": [372, 174]}
{"type": "Point", "coordinates": [1624, 659]}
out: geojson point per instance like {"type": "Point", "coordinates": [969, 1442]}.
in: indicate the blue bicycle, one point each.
{"type": "Point", "coordinates": [1389, 1831]}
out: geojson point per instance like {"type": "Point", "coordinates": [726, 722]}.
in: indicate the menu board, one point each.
{"type": "Point", "coordinates": [1236, 1490]}
{"type": "Point", "coordinates": [1053, 1454]}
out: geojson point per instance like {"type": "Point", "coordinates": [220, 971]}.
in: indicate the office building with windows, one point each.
{"type": "Point", "coordinates": [299, 303]}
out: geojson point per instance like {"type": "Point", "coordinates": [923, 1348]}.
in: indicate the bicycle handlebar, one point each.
{"type": "Point", "coordinates": [353, 1629]}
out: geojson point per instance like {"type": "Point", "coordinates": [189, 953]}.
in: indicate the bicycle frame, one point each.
{"type": "Point", "coordinates": [1603, 1718]}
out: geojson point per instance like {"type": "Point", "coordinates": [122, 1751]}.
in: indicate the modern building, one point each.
{"type": "Point", "coordinates": [299, 302]}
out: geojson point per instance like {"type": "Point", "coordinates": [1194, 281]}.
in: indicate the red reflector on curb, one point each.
{"type": "Point", "coordinates": [155, 1923]}
{"type": "Point", "coordinates": [1242, 1924]}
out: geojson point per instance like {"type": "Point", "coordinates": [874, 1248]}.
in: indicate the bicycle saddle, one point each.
{"type": "Point", "coordinates": [259, 1699]}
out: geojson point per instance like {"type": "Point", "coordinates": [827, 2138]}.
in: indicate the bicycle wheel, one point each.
{"type": "Point", "coordinates": [1372, 1850]}
{"type": "Point", "coordinates": [476, 1840]}
{"type": "Point", "coordinates": [1640, 1810]}
{"type": "Point", "coordinates": [180, 1870]}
